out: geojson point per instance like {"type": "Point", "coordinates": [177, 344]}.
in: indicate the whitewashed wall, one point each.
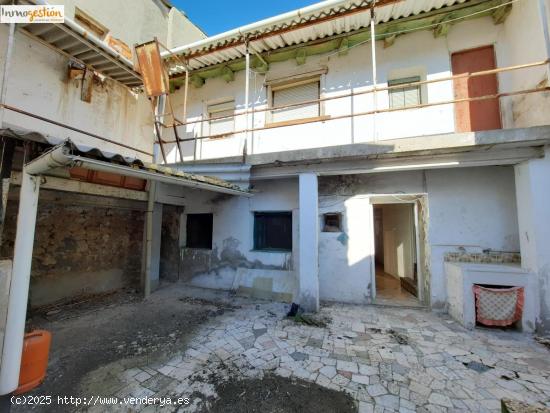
{"type": "Point", "coordinates": [38, 83]}
{"type": "Point", "coordinates": [233, 261]}
{"type": "Point", "coordinates": [517, 41]}
{"type": "Point", "coordinates": [468, 207]}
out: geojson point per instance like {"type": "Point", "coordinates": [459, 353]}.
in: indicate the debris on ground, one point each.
{"type": "Point", "coordinates": [545, 341]}
{"type": "Point", "coordinates": [274, 394]}
{"type": "Point", "coordinates": [297, 314]}
{"type": "Point", "coordinates": [479, 367]}
{"type": "Point", "coordinates": [400, 338]}
{"type": "Point", "coordinates": [515, 406]}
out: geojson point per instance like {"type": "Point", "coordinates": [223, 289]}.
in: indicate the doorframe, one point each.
{"type": "Point", "coordinates": [399, 198]}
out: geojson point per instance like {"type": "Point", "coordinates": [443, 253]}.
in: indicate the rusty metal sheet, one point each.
{"type": "Point", "coordinates": [151, 67]}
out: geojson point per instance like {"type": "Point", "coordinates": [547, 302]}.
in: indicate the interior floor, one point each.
{"type": "Point", "coordinates": [389, 290]}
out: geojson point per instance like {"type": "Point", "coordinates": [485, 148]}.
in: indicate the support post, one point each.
{"type": "Point", "coordinates": [374, 74]}
{"type": "Point", "coordinates": [146, 279]}
{"type": "Point", "coordinates": [19, 287]}
{"type": "Point", "coordinates": [533, 203]}
{"type": "Point", "coordinates": [309, 242]}
{"type": "Point", "coordinates": [246, 99]}
{"type": "Point", "coordinates": [543, 12]}
{"type": "Point", "coordinates": [5, 74]}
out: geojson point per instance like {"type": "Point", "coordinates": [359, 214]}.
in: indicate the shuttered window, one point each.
{"type": "Point", "coordinates": [219, 110]}
{"type": "Point", "coordinates": [273, 231]}
{"type": "Point", "coordinates": [288, 95]}
{"type": "Point", "coordinates": [406, 96]}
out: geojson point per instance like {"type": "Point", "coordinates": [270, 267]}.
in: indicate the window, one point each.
{"type": "Point", "coordinates": [273, 231]}
{"type": "Point", "coordinates": [405, 96]}
{"type": "Point", "coordinates": [199, 231]}
{"type": "Point", "coordinates": [332, 222]}
{"type": "Point", "coordinates": [90, 23]}
{"type": "Point", "coordinates": [295, 93]}
{"type": "Point", "coordinates": [219, 110]}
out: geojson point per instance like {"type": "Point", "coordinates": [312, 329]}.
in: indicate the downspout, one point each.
{"type": "Point", "coordinates": [22, 260]}
{"type": "Point", "coordinates": [374, 74]}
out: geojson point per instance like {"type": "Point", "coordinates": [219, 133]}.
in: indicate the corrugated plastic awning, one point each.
{"type": "Point", "coordinates": [97, 159]}
{"type": "Point", "coordinates": [319, 21]}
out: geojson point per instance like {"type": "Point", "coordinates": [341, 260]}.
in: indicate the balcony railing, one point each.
{"type": "Point", "coordinates": [354, 114]}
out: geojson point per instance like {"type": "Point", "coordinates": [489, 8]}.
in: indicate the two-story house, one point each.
{"type": "Point", "coordinates": [375, 165]}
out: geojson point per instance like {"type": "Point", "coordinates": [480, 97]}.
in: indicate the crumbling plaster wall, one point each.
{"type": "Point", "coordinates": [232, 263]}
{"type": "Point", "coordinates": [79, 248]}
{"type": "Point", "coordinates": [467, 207]}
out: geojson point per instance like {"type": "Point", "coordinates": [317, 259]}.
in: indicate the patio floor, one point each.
{"type": "Point", "coordinates": [385, 359]}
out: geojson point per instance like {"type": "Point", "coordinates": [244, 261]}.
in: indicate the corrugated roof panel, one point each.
{"type": "Point", "coordinates": [289, 37]}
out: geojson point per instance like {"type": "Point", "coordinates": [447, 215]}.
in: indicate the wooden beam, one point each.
{"type": "Point", "coordinates": [72, 185]}
{"type": "Point", "coordinates": [499, 15]}
{"type": "Point", "coordinates": [301, 56]}
{"type": "Point", "coordinates": [227, 74]}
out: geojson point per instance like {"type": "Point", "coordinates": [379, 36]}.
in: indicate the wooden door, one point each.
{"type": "Point", "coordinates": [482, 114]}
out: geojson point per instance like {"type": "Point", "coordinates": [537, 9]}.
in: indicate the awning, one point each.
{"type": "Point", "coordinates": [319, 21]}
{"type": "Point", "coordinates": [84, 47]}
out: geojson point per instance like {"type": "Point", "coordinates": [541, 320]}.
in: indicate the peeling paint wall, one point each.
{"type": "Point", "coordinates": [472, 208]}
{"type": "Point", "coordinates": [232, 263]}
{"type": "Point", "coordinates": [169, 243]}
{"type": "Point", "coordinates": [79, 248]}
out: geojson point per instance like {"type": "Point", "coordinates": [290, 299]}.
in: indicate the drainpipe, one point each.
{"type": "Point", "coordinates": [5, 75]}
{"type": "Point", "coordinates": [246, 99]}
{"type": "Point", "coordinates": [543, 12]}
{"type": "Point", "coordinates": [159, 110]}
{"type": "Point", "coordinates": [374, 74]}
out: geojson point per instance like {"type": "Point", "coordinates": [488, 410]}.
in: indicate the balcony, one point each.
{"type": "Point", "coordinates": [446, 104]}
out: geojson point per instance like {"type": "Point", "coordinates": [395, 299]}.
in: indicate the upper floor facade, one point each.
{"type": "Point", "coordinates": [310, 87]}
{"type": "Point", "coordinates": [77, 80]}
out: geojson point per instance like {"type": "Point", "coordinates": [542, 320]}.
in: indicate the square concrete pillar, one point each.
{"type": "Point", "coordinates": [308, 267]}
{"type": "Point", "coordinates": [533, 203]}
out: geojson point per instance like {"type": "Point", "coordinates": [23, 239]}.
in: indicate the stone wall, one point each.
{"type": "Point", "coordinates": [80, 247]}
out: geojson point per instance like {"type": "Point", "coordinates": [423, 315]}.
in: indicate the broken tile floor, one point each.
{"type": "Point", "coordinates": [386, 358]}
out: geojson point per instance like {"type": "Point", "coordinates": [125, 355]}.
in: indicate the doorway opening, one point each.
{"type": "Point", "coordinates": [396, 254]}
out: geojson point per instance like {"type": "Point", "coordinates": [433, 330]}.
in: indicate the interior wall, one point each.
{"type": "Point", "coordinates": [398, 243]}
{"type": "Point", "coordinates": [81, 247]}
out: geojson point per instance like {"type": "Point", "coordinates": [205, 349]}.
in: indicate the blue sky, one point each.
{"type": "Point", "coordinates": [216, 16]}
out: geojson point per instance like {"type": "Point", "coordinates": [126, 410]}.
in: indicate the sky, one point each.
{"type": "Point", "coordinates": [217, 16]}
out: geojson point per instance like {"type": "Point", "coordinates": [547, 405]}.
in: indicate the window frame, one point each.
{"type": "Point", "coordinates": [403, 81]}
{"type": "Point", "coordinates": [255, 229]}
{"type": "Point", "coordinates": [207, 111]}
{"type": "Point", "coordinates": [272, 87]}
{"type": "Point", "coordinates": [187, 216]}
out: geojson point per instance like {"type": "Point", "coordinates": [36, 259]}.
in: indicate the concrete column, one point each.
{"type": "Point", "coordinates": [19, 287]}
{"type": "Point", "coordinates": [309, 242]}
{"type": "Point", "coordinates": [533, 203]}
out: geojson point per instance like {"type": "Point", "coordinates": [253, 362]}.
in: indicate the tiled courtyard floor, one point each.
{"type": "Point", "coordinates": [387, 359]}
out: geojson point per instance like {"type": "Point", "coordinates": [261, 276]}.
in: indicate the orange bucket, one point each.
{"type": "Point", "coordinates": [36, 348]}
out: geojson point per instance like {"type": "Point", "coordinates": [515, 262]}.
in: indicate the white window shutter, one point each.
{"type": "Point", "coordinates": [296, 94]}
{"type": "Point", "coordinates": [221, 126]}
